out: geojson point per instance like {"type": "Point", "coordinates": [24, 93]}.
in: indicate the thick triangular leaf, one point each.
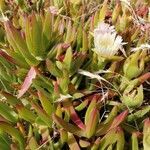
{"type": "Point", "coordinates": [27, 82]}
{"type": "Point", "coordinates": [14, 133]}
{"type": "Point", "coordinates": [67, 126]}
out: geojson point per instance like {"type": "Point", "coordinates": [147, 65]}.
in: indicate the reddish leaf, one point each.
{"type": "Point", "coordinates": [12, 100]}
{"type": "Point", "coordinates": [119, 119]}
{"type": "Point", "coordinates": [147, 122]}
{"type": "Point", "coordinates": [7, 57]}
{"type": "Point", "coordinates": [65, 45]}
{"type": "Point", "coordinates": [137, 134]}
{"type": "Point", "coordinates": [27, 82]}
{"type": "Point", "coordinates": [75, 118]}
{"type": "Point", "coordinates": [68, 126]}
{"type": "Point", "coordinates": [2, 119]}
{"type": "Point", "coordinates": [144, 77]}
{"type": "Point", "coordinates": [73, 115]}
{"type": "Point", "coordinates": [92, 123]}
{"type": "Point", "coordinates": [142, 11]}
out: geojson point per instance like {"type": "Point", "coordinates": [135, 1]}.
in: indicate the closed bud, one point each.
{"type": "Point", "coordinates": [133, 66]}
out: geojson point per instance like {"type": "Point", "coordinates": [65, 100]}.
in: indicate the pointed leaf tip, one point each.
{"type": "Point", "coordinates": [119, 119]}
{"type": "Point", "coordinates": [27, 82]}
{"type": "Point", "coordinates": [7, 57]}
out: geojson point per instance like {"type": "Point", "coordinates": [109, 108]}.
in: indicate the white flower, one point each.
{"type": "Point", "coordinates": [106, 41]}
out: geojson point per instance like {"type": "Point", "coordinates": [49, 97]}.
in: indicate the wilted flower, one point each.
{"type": "Point", "coordinates": [106, 41]}
{"type": "Point", "coordinates": [133, 97]}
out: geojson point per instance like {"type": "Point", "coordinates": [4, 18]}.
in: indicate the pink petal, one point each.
{"type": "Point", "coordinates": [27, 82]}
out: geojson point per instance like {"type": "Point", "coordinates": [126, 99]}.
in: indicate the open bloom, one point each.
{"type": "Point", "coordinates": [106, 41]}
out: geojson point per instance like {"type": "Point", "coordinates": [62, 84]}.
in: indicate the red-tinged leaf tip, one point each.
{"type": "Point", "coordinates": [147, 122]}
{"type": "Point", "coordinates": [65, 45]}
{"type": "Point", "coordinates": [19, 106]}
{"type": "Point", "coordinates": [92, 23]}
{"type": "Point", "coordinates": [9, 27]}
{"type": "Point", "coordinates": [137, 134]}
{"type": "Point", "coordinates": [144, 77]}
{"type": "Point", "coordinates": [118, 129]}
{"type": "Point", "coordinates": [54, 10]}
{"type": "Point", "coordinates": [75, 118]}
{"type": "Point", "coordinates": [27, 82]}
{"type": "Point", "coordinates": [2, 119]}
{"type": "Point", "coordinates": [119, 119]}
{"type": "Point", "coordinates": [92, 123]}
{"type": "Point", "coordinates": [97, 141]}
{"type": "Point", "coordinates": [7, 57]}
{"type": "Point", "coordinates": [56, 87]}
{"type": "Point", "coordinates": [6, 24]}
{"type": "Point", "coordinates": [94, 97]}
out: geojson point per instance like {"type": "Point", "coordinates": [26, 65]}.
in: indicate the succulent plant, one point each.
{"type": "Point", "coordinates": [63, 82]}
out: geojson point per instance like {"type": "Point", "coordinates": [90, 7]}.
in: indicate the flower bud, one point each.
{"type": "Point", "coordinates": [133, 66]}
{"type": "Point", "coordinates": [133, 97]}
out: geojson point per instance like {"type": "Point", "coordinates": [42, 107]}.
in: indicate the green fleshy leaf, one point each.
{"type": "Point", "coordinates": [8, 113]}
{"type": "Point", "coordinates": [14, 133]}
{"type": "Point", "coordinates": [67, 126]}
